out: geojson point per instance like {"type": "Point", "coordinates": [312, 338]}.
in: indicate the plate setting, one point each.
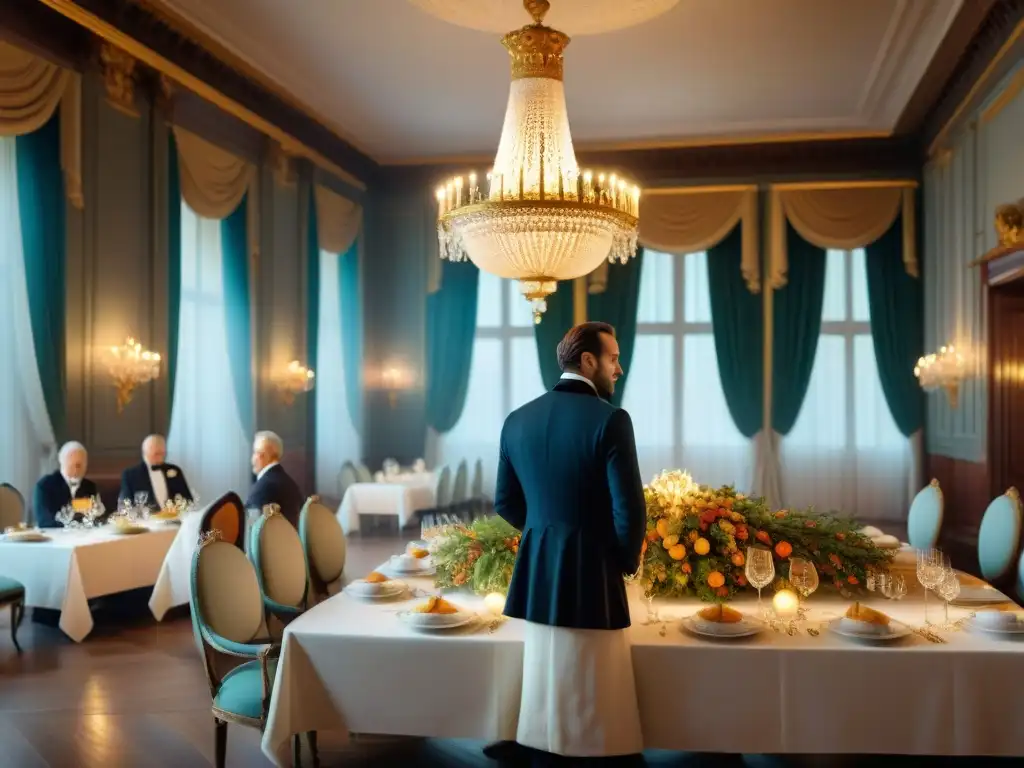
{"type": "Point", "coordinates": [721, 623]}
{"type": "Point", "coordinates": [845, 627]}
{"type": "Point", "coordinates": [433, 622]}
{"type": "Point", "coordinates": [366, 590]}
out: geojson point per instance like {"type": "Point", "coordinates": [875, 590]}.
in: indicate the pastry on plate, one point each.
{"type": "Point", "coordinates": [436, 605]}
{"type": "Point", "coordinates": [419, 552]}
{"type": "Point", "coordinates": [720, 614]}
{"type": "Point", "coordinates": [376, 578]}
{"type": "Point", "coordinates": [858, 612]}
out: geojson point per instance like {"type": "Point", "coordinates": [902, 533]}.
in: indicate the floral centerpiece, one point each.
{"type": "Point", "coordinates": [697, 537]}
{"type": "Point", "coordinates": [695, 544]}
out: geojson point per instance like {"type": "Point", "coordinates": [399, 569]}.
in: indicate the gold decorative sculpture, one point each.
{"type": "Point", "coordinates": [1010, 224]}
{"type": "Point", "coordinates": [119, 79]}
{"type": "Point", "coordinates": [131, 365]}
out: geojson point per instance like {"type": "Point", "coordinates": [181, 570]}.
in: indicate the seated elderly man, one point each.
{"type": "Point", "coordinates": [273, 485]}
{"type": "Point", "coordinates": [55, 491]}
{"type": "Point", "coordinates": [153, 476]}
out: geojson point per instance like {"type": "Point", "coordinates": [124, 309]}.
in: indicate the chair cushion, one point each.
{"type": "Point", "coordinates": [324, 542]}
{"type": "Point", "coordinates": [227, 592]}
{"type": "Point", "coordinates": [925, 519]}
{"type": "Point", "coordinates": [281, 560]}
{"type": "Point", "coordinates": [999, 537]}
{"type": "Point", "coordinates": [241, 690]}
{"type": "Point", "coordinates": [10, 589]}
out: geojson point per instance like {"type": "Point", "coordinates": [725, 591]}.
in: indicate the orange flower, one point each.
{"type": "Point", "coordinates": [852, 579]}
{"type": "Point", "coordinates": [741, 579]}
{"type": "Point", "coordinates": [783, 549]}
{"type": "Point", "coordinates": [722, 591]}
{"type": "Point", "coordinates": [741, 533]}
{"type": "Point", "coordinates": [834, 559]}
{"type": "Point", "coordinates": [810, 524]}
{"type": "Point", "coordinates": [781, 514]}
{"type": "Point", "coordinates": [727, 503]}
{"type": "Point", "coordinates": [715, 580]}
{"type": "Point", "coordinates": [687, 568]}
{"type": "Point", "coordinates": [764, 538]}
{"type": "Point", "coordinates": [841, 536]}
{"type": "Point", "coordinates": [738, 559]}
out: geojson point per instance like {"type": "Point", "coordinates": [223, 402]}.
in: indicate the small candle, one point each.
{"type": "Point", "coordinates": [495, 603]}
{"type": "Point", "coordinates": [785, 603]}
{"type": "Point", "coordinates": [440, 201]}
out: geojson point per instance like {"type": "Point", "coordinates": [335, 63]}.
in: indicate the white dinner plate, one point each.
{"type": "Point", "coordinates": [974, 626]}
{"type": "Point", "coordinates": [980, 595]}
{"type": "Point", "coordinates": [375, 591]}
{"type": "Point", "coordinates": [435, 621]}
{"type": "Point", "coordinates": [745, 628]}
{"type": "Point", "coordinates": [896, 631]}
{"type": "Point", "coordinates": [428, 571]}
{"type": "Point", "coordinates": [26, 536]}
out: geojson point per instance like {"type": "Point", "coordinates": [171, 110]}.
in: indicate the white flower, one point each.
{"type": "Point", "coordinates": [172, 473]}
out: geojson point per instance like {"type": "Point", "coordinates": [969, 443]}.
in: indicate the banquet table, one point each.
{"type": "Point", "coordinates": [172, 587]}
{"type": "Point", "coordinates": [76, 566]}
{"type": "Point", "coordinates": [400, 495]}
{"type": "Point", "coordinates": [349, 665]}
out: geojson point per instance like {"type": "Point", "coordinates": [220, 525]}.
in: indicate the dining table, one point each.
{"type": "Point", "coordinates": [797, 686]}
{"type": "Point", "coordinates": [400, 495]}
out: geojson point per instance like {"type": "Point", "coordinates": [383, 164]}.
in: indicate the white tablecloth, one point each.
{"type": "Point", "coordinates": [401, 496]}
{"type": "Point", "coordinates": [172, 586]}
{"type": "Point", "coordinates": [75, 566]}
{"type": "Point", "coordinates": [349, 665]}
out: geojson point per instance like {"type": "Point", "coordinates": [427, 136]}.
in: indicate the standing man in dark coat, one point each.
{"type": "Point", "coordinates": [273, 485]}
{"type": "Point", "coordinates": [55, 491]}
{"type": "Point", "coordinates": [568, 478]}
{"type": "Point", "coordinates": [153, 476]}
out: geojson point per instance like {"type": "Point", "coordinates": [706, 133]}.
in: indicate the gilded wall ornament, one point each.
{"type": "Point", "coordinates": [119, 79]}
{"type": "Point", "coordinates": [1010, 224]}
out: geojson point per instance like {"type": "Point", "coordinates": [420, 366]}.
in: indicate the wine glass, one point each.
{"type": "Point", "coordinates": [949, 590]}
{"type": "Point", "coordinates": [895, 587]}
{"type": "Point", "coordinates": [141, 498]}
{"type": "Point", "coordinates": [931, 569]}
{"type": "Point", "coordinates": [760, 571]}
{"type": "Point", "coordinates": [803, 576]}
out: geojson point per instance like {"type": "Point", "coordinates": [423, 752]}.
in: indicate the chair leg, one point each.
{"type": "Point", "coordinates": [311, 737]}
{"type": "Point", "coordinates": [297, 750]}
{"type": "Point", "coordinates": [17, 612]}
{"type": "Point", "coordinates": [221, 749]}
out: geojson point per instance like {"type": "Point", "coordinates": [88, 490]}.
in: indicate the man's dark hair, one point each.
{"type": "Point", "coordinates": [585, 337]}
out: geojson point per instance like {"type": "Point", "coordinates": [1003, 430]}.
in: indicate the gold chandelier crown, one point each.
{"type": "Point", "coordinates": [539, 219]}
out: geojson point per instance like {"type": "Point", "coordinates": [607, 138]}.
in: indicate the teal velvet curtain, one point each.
{"type": "Point", "coordinates": [350, 297]}
{"type": "Point", "coordinates": [897, 327]}
{"type": "Point", "coordinates": [796, 315]}
{"type": "Point", "coordinates": [738, 323]}
{"type": "Point", "coordinates": [313, 282]}
{"type": "Point", "coordinates": [618, 305]}
{"type": "Point", "coordinates": [42, 211]}
{"type": "Point", "coordinates": [173, 262]}
{"type": "Point", "coordinates": [235, 245]}
{"type": "Point", "coordinates": [553, 326]}
{"type": "Point", "coordinates": [451, 327]}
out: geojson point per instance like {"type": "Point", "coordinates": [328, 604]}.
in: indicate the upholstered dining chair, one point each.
{"type": "Point", "coordinates": [12, 506]}
{"type": "Point", "coordinates": [227, 613]}
{"type": "Point", "coordinates": [460, 489]}
{"type": "Point", "coordinates": [346, 477]}
{"type": "Point", "coordinates": [476, 489]}
{"type": "Point", "coordinates": [276, 552]}
{"type": "Point", "coordinates": [999, 537]}
{"type": "Point", "coordinates": [443, 489]}
{"type": "Point", "coordinates": [227, 515]}
{"type": "Point", "coordinates": [324, 544]}
{"type": "Point", "coordinates": [12, 593]}
{"type": "Point", "coordinates": [925, 519]}
{"type": "Point", "coordinates": [363, 473]}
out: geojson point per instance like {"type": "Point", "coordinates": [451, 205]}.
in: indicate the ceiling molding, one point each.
{"type": "Point", "coordinates": [165, 49]}
{"type": "Point", "coordinates": [991, 54]}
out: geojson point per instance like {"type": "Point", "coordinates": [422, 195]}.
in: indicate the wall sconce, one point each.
{"type": "Point", "coordinates": [293, 380]}
{"type": "Point", "coordinates": [391, 380]}
{"type": "Point", "coordinates": [944, 369]}
{"type": "Point", "coordinates": [131, 366]}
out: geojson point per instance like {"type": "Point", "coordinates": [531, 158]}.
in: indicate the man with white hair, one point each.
{"type": "Point", "coordinates": [55, 491]}
{"type": "Point", "coordinates": [154, 477]}
{"type": "Point", "coordinates": [273, 485]}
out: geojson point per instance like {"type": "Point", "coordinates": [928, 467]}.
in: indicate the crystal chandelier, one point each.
{"type": "Point", "coordinates": [944, 370]}
{"type": "Point", "coordinates": [130, 366]}
{"type": "Point", "coordinates": [540, 219]}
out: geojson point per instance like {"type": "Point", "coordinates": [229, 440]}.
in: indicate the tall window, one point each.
{"type": "Point", "coordinates": [206, 435]}
{"type": "Point", "coordinates": [27, 445]}
{"type": "Point", "coordinates": [336, 438]}
{"type": "Point", "coordinates": [845, 451]}
{"type": "Point", "coordinates": [504, 374]}
{"type": "Point", "coordinates": [674, 395]}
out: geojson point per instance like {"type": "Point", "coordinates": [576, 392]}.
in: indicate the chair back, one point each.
{"type": "Point", "coordinates": [279, 558]}
{"type": "Point", "coordinates": [227, 515]}
{"type": "Point", "coordinates": [443, 489]}
{"type": "Point", "coordinates": [12, 506]}
{"type": "Point", "coordinates": [363, 473]}
{"type": "Point", "coordinates": [999, 536]}
{"type": "Point", "coordinates": [460, 487]}
{"type": "Point", "coordinates": [346, 477]}
{"type": "Point", "coordinates": [925, 519]}
{"type": "Point", "coordinates": [476, 488]}
{"type": "Point", "coordinates": [323, 542]}
{"type": "Point", "coordinates": [225, 596]}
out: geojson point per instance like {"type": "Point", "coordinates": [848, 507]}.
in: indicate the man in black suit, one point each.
{"type": "Point", "coordinates": [55, 491]}
{"type": "Point", "coordinates": [273, 485]}
{"type": "Point", "coordinates": [568, 478]}
{"type": "Point", "coordinates": [153, 476]}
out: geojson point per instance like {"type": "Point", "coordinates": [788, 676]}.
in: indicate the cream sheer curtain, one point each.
{"type": "Point", "coordinates": [31, 89]}
{"type": "Point", "coordinates": [28, 448]}
{"type": "Point", "coordinates": [206, 435]}
{"type": "Point", "coordinates": [338, 221]}
{"type": "Point", "coordinates": [845, 452]}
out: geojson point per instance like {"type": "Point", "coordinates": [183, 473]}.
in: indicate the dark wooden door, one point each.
{"type": "Point", "coordinates": [1006, 401]}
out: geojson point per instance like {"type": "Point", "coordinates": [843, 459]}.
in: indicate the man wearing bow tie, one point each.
{"type": "Point", "coordinates": [153, 476]}
{"type": "Point", "coordinates": [55, 491]}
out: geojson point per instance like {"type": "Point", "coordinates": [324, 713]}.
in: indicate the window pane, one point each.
{"type": "Point", "coordinates": [520, 315]}
{"type": "Point", "coordinates": [479, 425]}
{"type": "Point", "coordinates": [650, 401]}
{"type": "Point", "coordinates": [524, 377]}
{"type": "Point", "coordinates": [859, 278]}
{"type": "Point", "coordinates": [656, 288]}
{"type": "Point", "coordinates": [874, 425]}
{"type": "Point", "coordinates": [706, 417]}
{"type": "Point", "coordinates": [822, 419]}
{"type": "Point", "coordinates": [697, 291]}
{"type": "Point", "coordinates": [834, 305]}
{"type": "Point", "coordinates": [488, 305]}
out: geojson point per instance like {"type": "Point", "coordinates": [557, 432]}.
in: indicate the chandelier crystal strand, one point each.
{"type": "Point", "coordinates": [537, 218]}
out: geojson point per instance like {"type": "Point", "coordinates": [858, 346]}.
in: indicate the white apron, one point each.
{"type": "Point", "coordinates": [579, 697]}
